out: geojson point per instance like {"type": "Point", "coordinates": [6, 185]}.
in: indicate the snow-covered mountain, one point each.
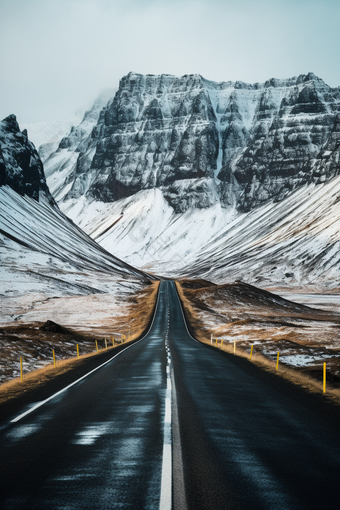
{"type": "Point", "coordinates": [44, 255]}
{"type": "Point", "coordinates": [52, 274]}
{"type": "Point", "coordinates": [47, 136]}
{"type": "Point", "coordinates": [173, 164]}
{"type": "Point", "coordinates": [201, 142]}
{"type": "Point", "coordinates": [20, 165]}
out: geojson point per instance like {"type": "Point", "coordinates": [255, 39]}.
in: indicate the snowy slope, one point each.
{"type": "Point", "coordinates": [45, 229]}
{"type": "Point", "coordinates": [188, 176]}
{"type": "Point", "coordinates": [145, 229]}
{"type": "Point", "coordinates": [292, 243]}
{"type": "Point", "coordinates": [44, 256]}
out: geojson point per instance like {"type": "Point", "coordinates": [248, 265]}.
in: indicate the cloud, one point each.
{"type": "Point", "coordinates": [56, 56]}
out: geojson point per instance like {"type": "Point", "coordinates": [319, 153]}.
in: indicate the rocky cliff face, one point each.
{"type": "Point", "coordinates": [202, 142]}
{"type": "Point", "coordinates": [20, 165]}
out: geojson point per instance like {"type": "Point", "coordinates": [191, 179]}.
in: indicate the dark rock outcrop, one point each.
{"type": "Point", "coordinates": [20, 165]}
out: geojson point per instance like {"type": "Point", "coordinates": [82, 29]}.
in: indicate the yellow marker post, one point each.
{"type": "Point", "coordinates": [216, 341]}
{"type": "Point", "coordinates": [251, 351]}
{"type": "Point", "coordinates": [234, 346]}
{"type": "Point", "coordinates": [277, 360]}
{"type": "Point", "coordinates": [221, 343]}
{"type": "Point", "coordinates": [77, 351]}
{"type": "Point", "coordinates": [21, 372]}
{"type": "Point", "coordinates": [97, 346]}
{"type": "Point", "coordinates": [324, 377]}
{"type": "Point", "coordinates": [113, 341]}
{"type": "Point", "coordinates": [105, 343]}
{"type": "Point", "coordinates": [54, 362]}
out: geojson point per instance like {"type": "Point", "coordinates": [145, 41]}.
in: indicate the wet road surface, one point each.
{"type": "Point", "coordinates": [249, 439]}
{"type": "Point", "coordinates": [241, 438]}
{"type": "Point", "coordinates": [98, 445]}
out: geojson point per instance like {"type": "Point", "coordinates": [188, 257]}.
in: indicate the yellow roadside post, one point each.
{"type": "Point", "coordinates": [277, 360]}
{"type": "Point", "coordinates": [251, 351]}
{"type": "Point", "coordinates": [234, 346]}
{"type": "Point", "coordinates": [97, 346]}
{"type": "Point", "coordinates": [216, 341]}
{"type": "Point", "coordinates": [324, 377]}
{"type": "Point", "coordinates": [77, 351]}
{"type": "Point", "coordinates": [113, 341]}
{"type": "Point", "coordinates": [105, 343]}
{"type": "Point", "coordinates": [21, 372]}
{"type": "Point", "coordinates": [54, 362]}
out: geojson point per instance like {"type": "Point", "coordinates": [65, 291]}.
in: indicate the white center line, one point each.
{"type": "Point", "coordinates": [166, 482]}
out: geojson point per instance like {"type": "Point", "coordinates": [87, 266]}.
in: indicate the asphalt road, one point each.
{"type": "Point", "coordinates": [241, 438]}
{"type": "Point", "coordinates": [249, 439]}
{"type": "Point", "coordinates": [98, 445]}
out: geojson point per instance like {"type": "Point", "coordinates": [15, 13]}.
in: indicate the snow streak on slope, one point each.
{"type": "Point", "coordinates": [47, 230]}
{"type": "Point", "coordinates": [146, 230]}
{"type": "Point", "coordinates": [295, 242]}
{"type": "Point", "coordinates": [291, 243]}
{"type": "Point", "coordinates": [44, 255]}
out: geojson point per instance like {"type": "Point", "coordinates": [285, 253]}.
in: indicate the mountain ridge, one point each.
{"type": "Point", "coordinates": [250, 142]}
{"type": "Point", "coordinates": [182, 176]}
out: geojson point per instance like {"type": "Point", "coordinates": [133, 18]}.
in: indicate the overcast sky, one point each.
{"type": "Point", "coordinates": [57, 55]}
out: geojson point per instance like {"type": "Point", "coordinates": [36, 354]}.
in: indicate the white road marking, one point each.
{"type": "Point", "coordinates": [166, 481]}
{"type": "Point", "coordinates": [167, 418]}
{"type": "Point", "coordinates": [165, 502]}
{"type": "Point", "coordinates": [39, 404]}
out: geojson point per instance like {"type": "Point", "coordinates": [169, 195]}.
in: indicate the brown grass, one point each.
{"type": "Point", "coordinates": [140, 312]}
{"type": "Point", "coordinates": [14, 388]}
{"type": "Point", "coordinates": [134, 325]}
{"type": "Point", "coordinates": [203, 334]}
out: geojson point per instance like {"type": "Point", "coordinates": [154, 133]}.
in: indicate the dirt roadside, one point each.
{"type": "Point", "coordinates": [42, 383]}
{"type": "Point", "coordinates": [197, 307]}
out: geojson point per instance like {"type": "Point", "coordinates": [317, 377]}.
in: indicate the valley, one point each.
{"type": "Point", "coordinates": [178, 227]}
{"type": "Point", "coordinates": [154, 175]}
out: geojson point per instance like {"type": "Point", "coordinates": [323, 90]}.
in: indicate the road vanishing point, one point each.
{"type": "Point", "coordinates": [171, 423]}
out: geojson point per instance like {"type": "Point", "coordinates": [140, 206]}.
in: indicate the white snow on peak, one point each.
{"type": "Point", "coordinates": [49, 132]}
